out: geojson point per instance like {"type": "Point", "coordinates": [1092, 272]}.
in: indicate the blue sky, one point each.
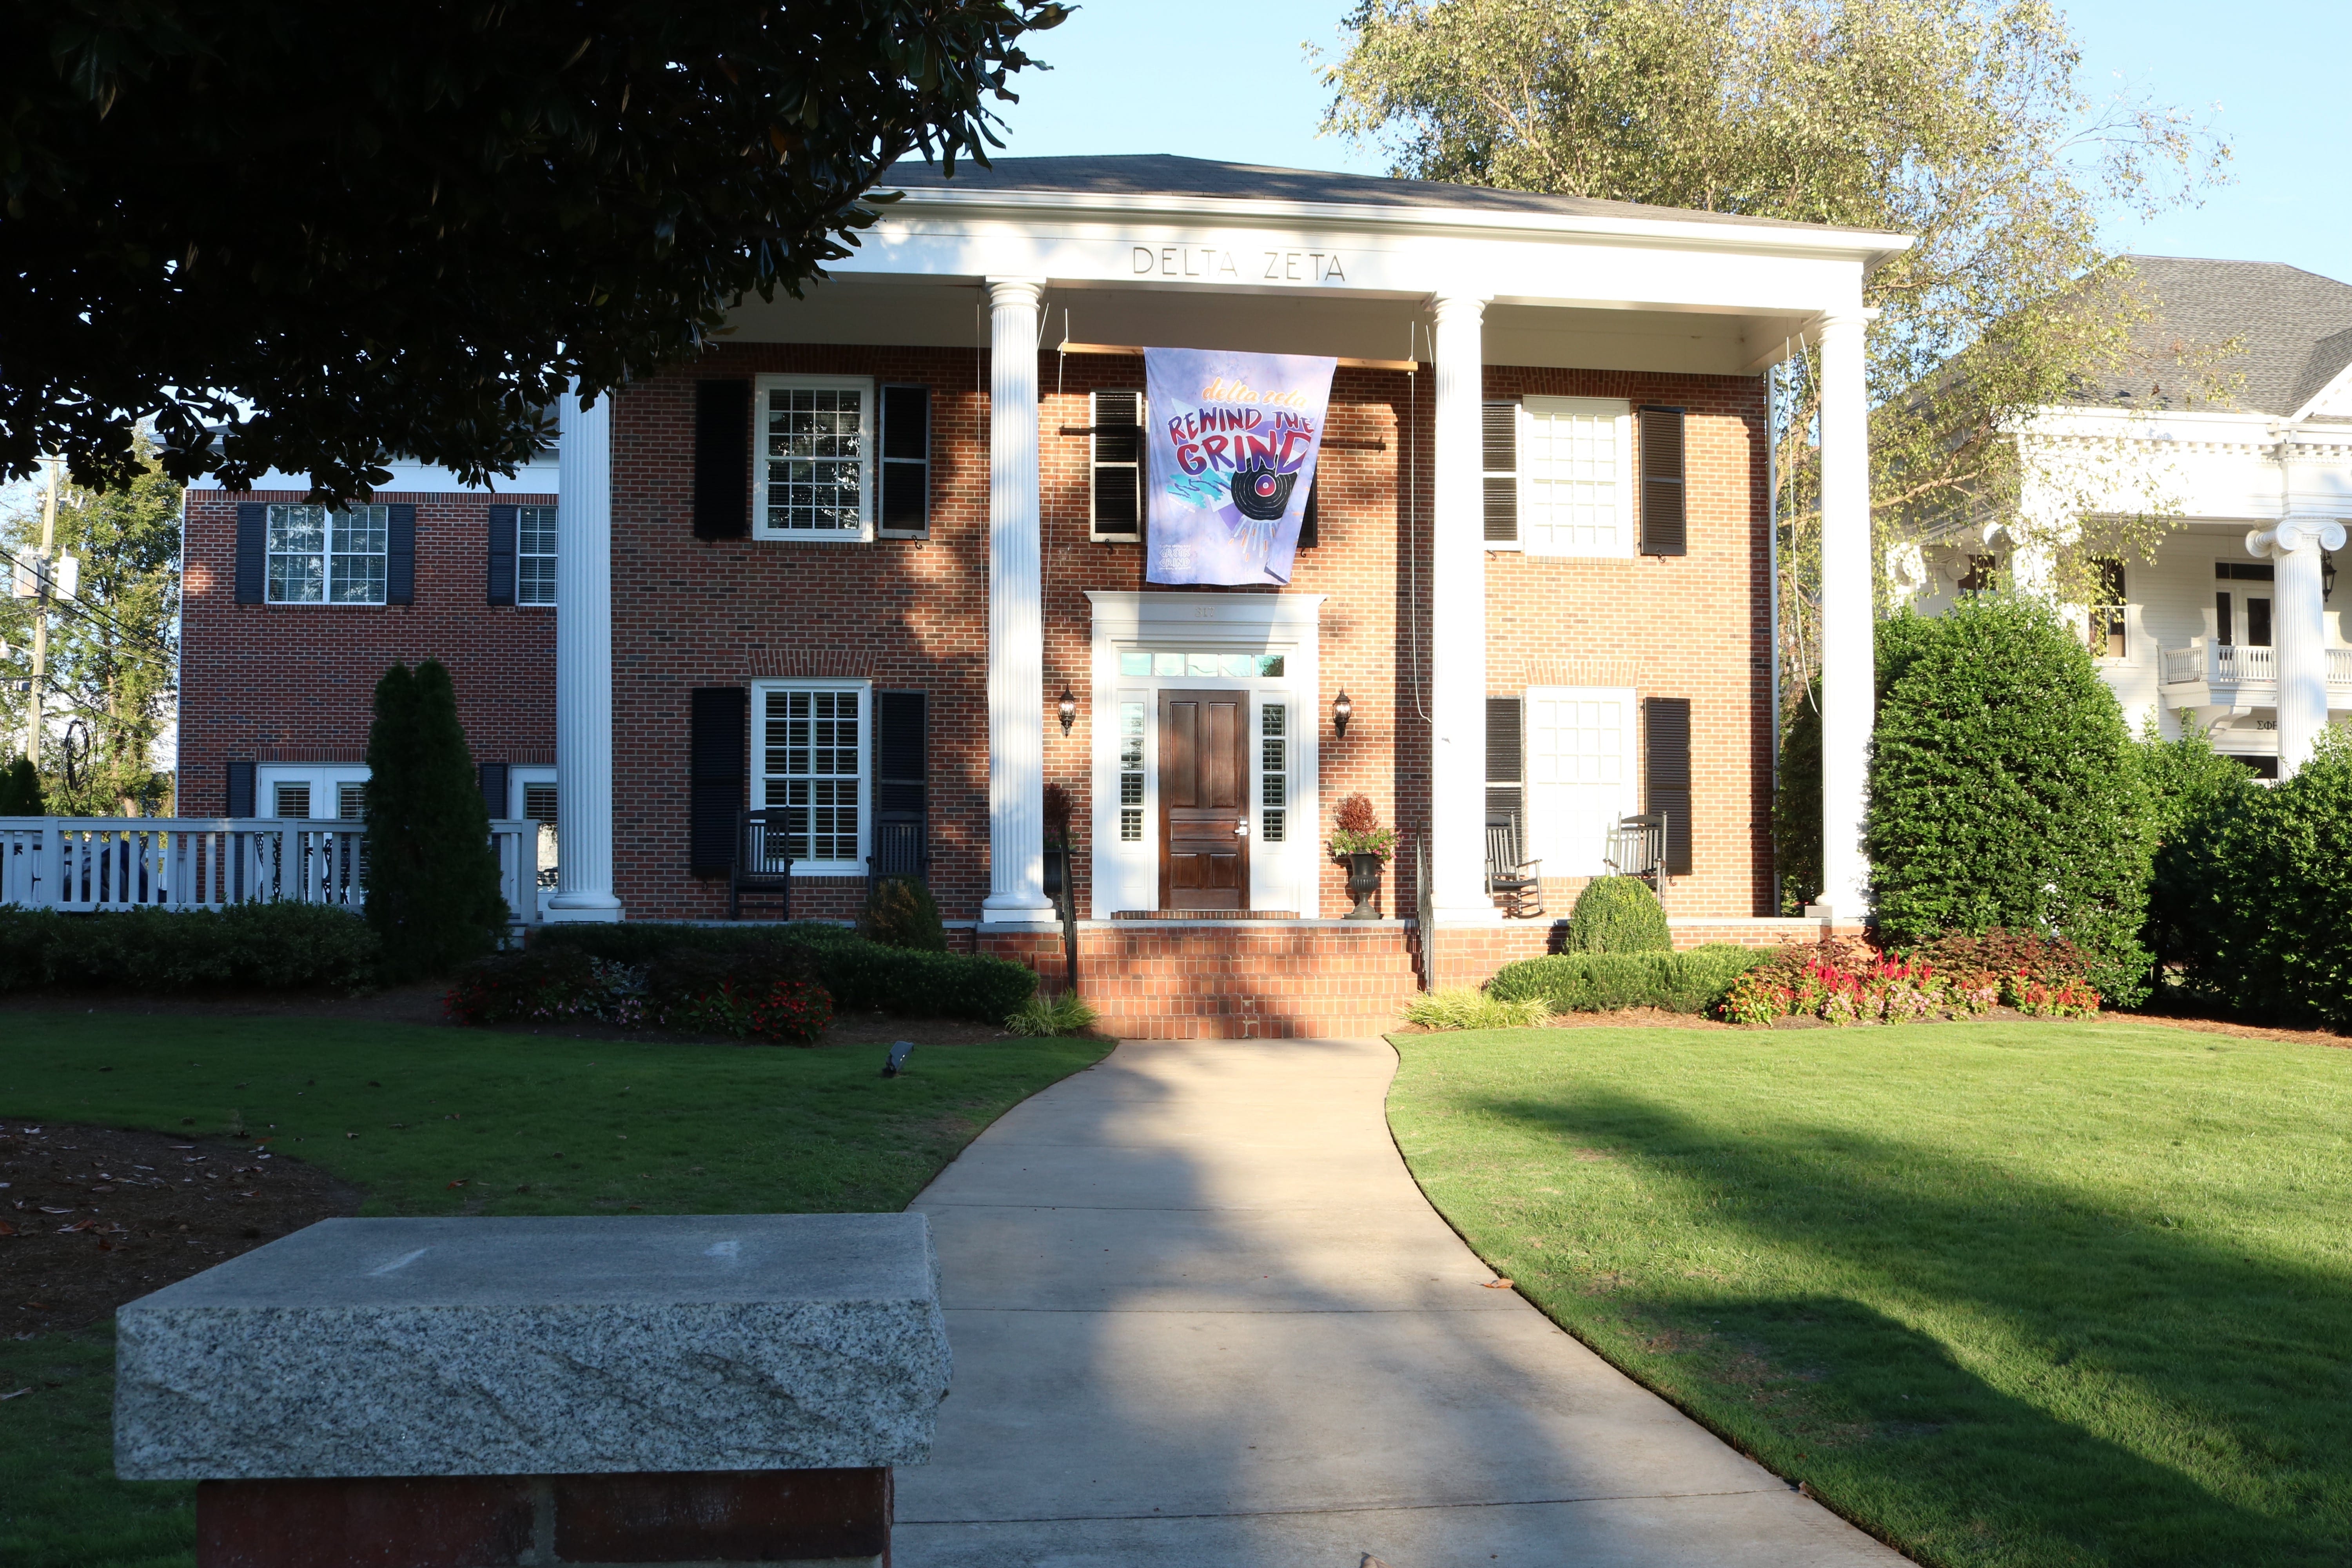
{"type": "Point", "coordinates": [1118, 85]}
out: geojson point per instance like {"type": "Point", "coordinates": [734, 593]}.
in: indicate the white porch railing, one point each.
{"type": "Point", "coordinates": [96, 864]}
{"type": "Point", "coordinates": [2234, 664]}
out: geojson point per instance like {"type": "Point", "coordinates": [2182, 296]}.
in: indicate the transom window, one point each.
{"type": "Point", "coordinates": [318, 556]}
{"type": "Point", "coordinates": [1572, 461]}
{"type": "Point", "coordinates": [816, 447]}
{"type": "Point", "coordinates": [1183, 663]}
{"type": "Point", "coordinates": [534, 555]}
{"type": "Point", "coordinates": [812, 769]}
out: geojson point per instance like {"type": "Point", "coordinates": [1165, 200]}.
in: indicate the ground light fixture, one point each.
{"type": "Point", "coordinates": [1342, 711]}
{"type": "Point", "coordinates": [1069, 709]}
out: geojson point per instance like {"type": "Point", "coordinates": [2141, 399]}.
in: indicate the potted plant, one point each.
{"type": "Point", "coordinates": [1358, 838]}
{"type": "Point", "coordinates": [1057, 843]}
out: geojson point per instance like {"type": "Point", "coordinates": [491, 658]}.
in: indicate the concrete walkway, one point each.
{"type": "Point", "coordinates": [1201, 1316]}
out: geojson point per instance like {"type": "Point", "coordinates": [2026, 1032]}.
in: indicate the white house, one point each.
{"type": "Point", "coordinates": [2233, 623]}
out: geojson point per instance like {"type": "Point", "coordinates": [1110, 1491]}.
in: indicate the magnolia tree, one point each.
{"type": "Point", "coordinates": [1959, 122]}
{"type": "Point", "coordinates": [351, 230]}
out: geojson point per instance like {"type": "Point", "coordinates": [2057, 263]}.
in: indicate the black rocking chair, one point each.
{"type": "Point", "coordinates": [763, 862]}
{"type": "Point", "coordinates": [1510, 877]}
{"type": "Point", "coordinates": [902, 849]}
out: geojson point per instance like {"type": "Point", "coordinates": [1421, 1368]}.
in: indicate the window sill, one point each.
{"type": "Point", "coordinates": [813, 536]}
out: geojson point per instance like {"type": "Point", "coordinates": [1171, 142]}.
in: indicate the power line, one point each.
{"type": "Point", "coordinates": [75, 605]}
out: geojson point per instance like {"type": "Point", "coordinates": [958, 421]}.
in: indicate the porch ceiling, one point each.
{"type": "Point", "coordinates": [1355, 324]}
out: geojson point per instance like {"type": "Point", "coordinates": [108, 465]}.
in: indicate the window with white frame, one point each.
{"type": "Point", "coordinates": [813, 754]}
{"type": "Point", "coordinates": [1575, 476]}
{"type": "Point", "coordinates": [322, 556]}
{"type": "Point", "coordinates": [1274, 772]}
{"type": "Point", "coordinates": [534, 555]}
{"type": "Point", "coordinates": [1580, 776]}
{"type": "Point", "coordinates": [313, 791]}
{"type": "Point", "coordinates": [816, 457]}
{"type": "Point", "coordinates": [1131, 771]}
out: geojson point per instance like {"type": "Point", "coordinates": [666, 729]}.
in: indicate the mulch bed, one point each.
{"type": "Point", "coordinates": [95, 1216]}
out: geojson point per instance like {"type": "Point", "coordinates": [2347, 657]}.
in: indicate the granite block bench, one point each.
{"type": "Point", "coordinates": [503, 1393]}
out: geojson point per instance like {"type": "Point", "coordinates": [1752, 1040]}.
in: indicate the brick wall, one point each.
{"type": "Point", "coordinates": [296, 682]}
{"type": "Point", "coordinates": [913, 614]}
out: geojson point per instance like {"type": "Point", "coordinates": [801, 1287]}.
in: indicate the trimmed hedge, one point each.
{"type": "Point", "coordinates": [246, 947]}
{"type": "Point", "coordinates": [1692, 982]}
{"type": "Point", "coordinates": [861, 975]}
{"type": "Point", "coordinates": [2005, 791]}
{"type": "Point", "coordinates": [1618, 914]}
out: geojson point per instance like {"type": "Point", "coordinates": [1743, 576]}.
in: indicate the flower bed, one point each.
{"type": "Point", "coordinates": [760, 995]}
{"type": "Point", "coordinates": [1847, 981]}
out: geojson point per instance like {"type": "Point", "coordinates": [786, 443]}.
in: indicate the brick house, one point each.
{"type": "Point", "coordinates": [875, 562]}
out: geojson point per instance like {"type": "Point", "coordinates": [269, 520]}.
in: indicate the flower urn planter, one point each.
{"type": "Point", "coordinates": [1363, 882]}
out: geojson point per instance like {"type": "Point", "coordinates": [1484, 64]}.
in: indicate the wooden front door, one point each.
{"type": "Point", "coordinates": [1204, 800]}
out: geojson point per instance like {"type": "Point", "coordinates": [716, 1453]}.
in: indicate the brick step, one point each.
{"type": "Point", "coordinates": [1230, 981]}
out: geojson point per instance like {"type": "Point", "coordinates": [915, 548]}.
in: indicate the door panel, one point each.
{"type": "Point", "coordinates": [1204, 800]}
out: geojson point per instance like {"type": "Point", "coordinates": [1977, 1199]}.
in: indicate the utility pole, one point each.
{"type": "Point", "coordinates": [41, 615]}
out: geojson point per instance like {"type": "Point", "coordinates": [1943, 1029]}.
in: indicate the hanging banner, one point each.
{"type": "Point", "coordinates": [1230, 444]}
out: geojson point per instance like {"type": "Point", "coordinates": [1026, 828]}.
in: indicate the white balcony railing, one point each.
{"type": "Point", "coordinates": [96, 864]}
{"type": "Point", "coordinates": [2234, 664]}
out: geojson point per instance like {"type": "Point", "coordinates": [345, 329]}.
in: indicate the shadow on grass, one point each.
{"type": "Point", "coordinates": [1995, 1369]}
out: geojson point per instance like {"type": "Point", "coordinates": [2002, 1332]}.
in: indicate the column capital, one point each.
{"type": "Point", "coordinates": [1015, 292]}
{"type": "Point", "coordinates": [1449, 308]}
{"type": "Point", "coordinates": [2292, 533]}
{"type": "Point", "coordinates": [1855, 319]}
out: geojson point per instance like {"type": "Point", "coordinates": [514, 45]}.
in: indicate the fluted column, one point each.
{"type": "Point", "coordinates": [1849, 676]}
{"type": "Point", "coordinates": [1016, 648]}
{"type": "Point", "coordinates": [1457, 616]}
{"type": "Point", "coordinates": [583, 663]}
{"type": "Point", "coordinates": [2299, 630]}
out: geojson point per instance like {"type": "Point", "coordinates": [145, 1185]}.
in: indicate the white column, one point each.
{"type": "Point", "coordinates": [583, 663]}
{"type": "Point", "coordinates": [1016, 645]}
{"type": "Point", "coordinates": [1457, 618]}
{"type": "Point", "coordinates": [2299, 629]}
{"type": "Point", "coordinates": [1849, 677]}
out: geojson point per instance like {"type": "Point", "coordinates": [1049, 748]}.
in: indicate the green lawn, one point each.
{"type": "Point", "coordinates": [2003, 1294]}
{"type": "Point", "coordinates": [530, 1125]}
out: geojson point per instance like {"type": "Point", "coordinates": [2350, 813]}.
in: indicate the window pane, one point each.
{"type": "Point", "coordinates": [356, 579]}
{"type": "Point", "coordinates": [816, 458]}
{"type": "Point", "coordinates": [296, 528]}
{"type": "Point", "coordinates": [1269, 664]}
{"type": "Point", "coordinates": [1206, 663]}
{"type": "Point", "coordinates": [1167, 664]}
{"type": "Point", "coordinates": [1568, 474]}
{"type": "Point", "coordinates": [293, 800]}
{"type": "Point", "coordinates": [811, 770]}
{"type": "Point", "coordinates": [296, 579]}
{"type": "Point", "coordinates": [535, 583]}
{"type": "Point", "coordinates": [1132, 662]}
{"type": "Point", "coordinates": [351, 801]}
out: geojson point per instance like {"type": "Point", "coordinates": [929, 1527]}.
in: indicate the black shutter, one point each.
{"type": "Point", "coordinates": [1666, 741]}
{"type": "Point", "coordinates": [494, 786]}
{"type": "Point", "coordinates": [717, 743]}
{"type": "Point", "coordinates": [906, 460]}
{"type": "Point", "coordinates": [400, 555]}
{"type": "Point", "coordinates": [722, 460]}
{"type": "Point", "coordinates": [1117, 465]}
{"type": "Point", "coordinates": [252, 551]}
{"type": "Point", "coordinates": [1501, 462]}
{"type": "Point", "coordinates": [503, 554]}
{"type": "Point", "coordinates": [901, 799]}
{"type": "Point", "coordinates": [1506, 766]}
{"type": "Point", "coordinates": [1311, 521]}
{"type": "Point", "coordinates": [1665, 528]}
{"type": "Point", "coordinates": [240, 786]}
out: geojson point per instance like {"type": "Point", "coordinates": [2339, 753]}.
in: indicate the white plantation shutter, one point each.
{"type": "Point", "coordinates": [1580, 774]}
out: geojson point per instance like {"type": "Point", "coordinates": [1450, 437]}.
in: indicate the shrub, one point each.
{"type": "Point", "coordinates": [1065, 1014]}
{"type": "Point", "coordinates": [900, 912]}
{"type": "Point", "coordinates": [860, 975]}
{"type": "Point", "coordinates": [266, 947]}
{"type": "Point", "coordinates": [1467, 1007]}
{"type": "Point", "coordinates": [537, 983]}
{"type": "Point", "coordinates": [20, 789]}
{"type": "Point", "coordinates": [1618, 914]}
{"type": "Point", "coordinates": [1797, 803]}
{"type": "Point", "coordinates": [1692, 982]}
{"type": "Point", "coordinates": [2265, 889]}
{"type": "Point", "coordinates": [433, 882]}
{"type": "Point", "coordinates": [2004, 791]}
{"type": "Point", "coordinates": [2198, 799]}
{"type": "Point", "coordinates": [1356, 829]}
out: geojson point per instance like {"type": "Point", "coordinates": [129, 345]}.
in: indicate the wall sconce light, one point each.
{"type": "Point", "coordinates": [1069, 709]}
{"type": "Point", "coordinates": [1342, 711]}
{"type": "Point", "coordinates": [2327, 575]}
